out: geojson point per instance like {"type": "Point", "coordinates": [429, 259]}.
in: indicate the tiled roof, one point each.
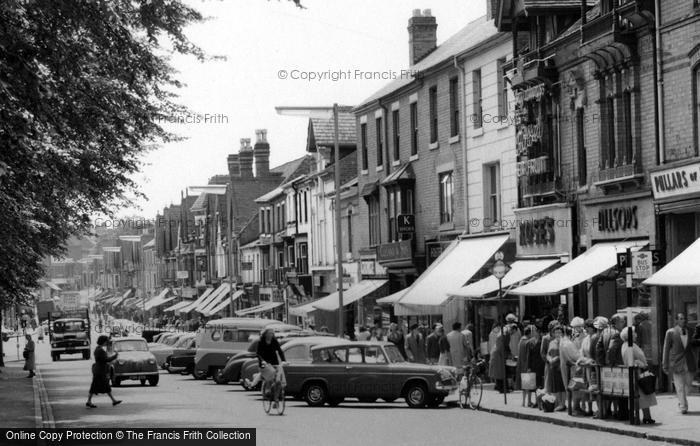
{"type": "Point", "coordinates": [270, 195]}
{"type": "Point", "coordinates": [199, 203]}
{"type": "Point", "coordinates": [293, 168]}
{"type": "Point", "coordinates": [468, 37]}
{"type": "Point", "coordinates": [321, 131]}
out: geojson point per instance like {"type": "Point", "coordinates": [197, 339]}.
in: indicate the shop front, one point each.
{"type": "Point", "coordinates": [676, 190]}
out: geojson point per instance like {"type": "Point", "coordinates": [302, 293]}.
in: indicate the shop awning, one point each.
{"type": "Point", "coordinates": [455, 266]}
{"type": "Point", "coordinates": [392, 298]}
{"type": "Point", "coordinates": [682, 271]}
{"type": "Point", "coordinates": [267, 306]}
{"type": "Point", "coordinates": [215, 298]}
{"type": "Point", "coordinates": [159, 299]}
{"type": "Point", "coordinates": [351, 295]}
{"type": "Point", "coordinates": [178, 305]}
{"type": "Point", "coordinates": [303, 310]}
{"type": "Point", "coordinates": [196, 303]}
{"type": "Point", "coordinates": [600, 258]}
{"type": "Point", "coordinates": [223, 303]}
{"type": "Point", "coordinates": [519, 271]}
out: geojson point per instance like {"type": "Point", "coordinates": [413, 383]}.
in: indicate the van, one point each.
{"type": "Point", "coordinates": [220, 339]}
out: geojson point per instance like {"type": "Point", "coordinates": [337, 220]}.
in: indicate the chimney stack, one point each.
{"type": "Point", "coordinates": [491, 9]}
{"type": "Point", "coordinates": [262, 154]}
{"type": "Point", "coordinates": [422, 35]}
{"type": "Point", "coordinates": [245, 158]}
{"type": "Point", "coordinates": [234, 169]}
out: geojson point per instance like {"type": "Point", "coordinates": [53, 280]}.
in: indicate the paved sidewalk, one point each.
{"type": "Point", "coordinates": [17, 408]}
{"type": "Point", "coordinates": [670, 425]}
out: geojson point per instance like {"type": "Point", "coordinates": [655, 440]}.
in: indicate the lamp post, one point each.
{"type": "Point", "coordinates": [329, 113]}
{"type": "Point", "coordinates": [499, 270]}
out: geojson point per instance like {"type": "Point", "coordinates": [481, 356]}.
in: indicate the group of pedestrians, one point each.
{"type": "Point", "coordinates": [562, 358]}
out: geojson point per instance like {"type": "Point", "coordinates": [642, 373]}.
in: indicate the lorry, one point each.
{"type": "Point", "coordinates": [69, 333]}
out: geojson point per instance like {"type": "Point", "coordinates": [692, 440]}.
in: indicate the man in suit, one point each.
{"type": "Point", "coordinates": [679, 360]}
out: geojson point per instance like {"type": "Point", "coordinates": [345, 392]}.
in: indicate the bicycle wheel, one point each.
{"type": "Point", "coordinates": [280, 402]}
{"type": "Point", "coordinates": [475, 392]}
{"type": "Point", "coordinates": [266, 400]}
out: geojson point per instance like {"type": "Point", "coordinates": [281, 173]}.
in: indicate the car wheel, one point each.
{"type": "Point", "coordinates": [153, 380]}
{"type": "Point", "coordinates": [57, 356]}
{"type": "Point", "coordinates": [436, 401]}
{"type": "Point", "coordinates": [143, 382]}
{"type": "Point", "coordinates": [367, 400]}
{"type": "Point", "coordinates": [416, 395]}
{"type": "Point", "coordinates": [334, 402]}
{"type": "Point", "coordinates": [86, 355]}
{"type": "Point", "coordinates": [315, 394]}
{"type": "Point", "coordinates": [199, 374]}
{"type": "Point", "coordinates": [218, 375]}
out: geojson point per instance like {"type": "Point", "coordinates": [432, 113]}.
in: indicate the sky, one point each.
{"type": "Point", "coordinates": [272, 51]}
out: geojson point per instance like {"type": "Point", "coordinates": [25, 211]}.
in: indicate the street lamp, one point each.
{"type": "Point", "coordinates": [499, 271]}
{"type": "Point", "coordinates": [328, 113]}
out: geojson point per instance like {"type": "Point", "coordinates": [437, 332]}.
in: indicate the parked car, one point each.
{"type": "Point", "coordinates": [232, 370]}
{"type": "Point", "coordinates": [150, 335]}
{"type": "Point", "coordinates": [297, 350]}
{"type": "Point", "coordinates": [367, 371]}
{"type": "Point", "coordinates": [134, 362]}
{"type": "Point", "coordinates": [164, 350]}
{"type": "Point", "coordinates": [182, 358]}
{"type": "Point", "coordinates": [220, 339]}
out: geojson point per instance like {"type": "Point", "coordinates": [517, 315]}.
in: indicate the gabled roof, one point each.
{"type": "Point", "coordinates": [294, 168]}
{"type": "Point", "coordinates": [348, 168]}
{"type": "Point", "coordinates": [321, 132]}
{"type": "Point", "coordinates": [472, 35]}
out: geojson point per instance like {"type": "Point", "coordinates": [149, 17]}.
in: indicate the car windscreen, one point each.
{"type": "Point", "coordinates": [183, 342]}
{"type": "Point", "coordinates": [130, 346]}
{"type": "Point", "coordinates": [394, 354]}
{"type": "Point", "coordinates": [68, 326]}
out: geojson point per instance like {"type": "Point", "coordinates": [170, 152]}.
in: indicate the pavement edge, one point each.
{"type": "Point", "coordinates": [42, 408]}
{"type": "Point", "coordinates": [588, 426]}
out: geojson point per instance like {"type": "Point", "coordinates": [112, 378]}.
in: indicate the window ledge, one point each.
{"type": "Point", "coordinates": [379, 168]}
{"type": "Point", "coordinates": [364, 172]}
{"type": "Point", "coordinates": [478, 132]}
{"type": "Point", "coordinates": [447, 226]}
{"type": "Point", "coordinates": [454, 139]}
{"type": "Point", "coordinates": [503, 125]}
{"type": "Point", "coordinates": [434, 145]}
{"type": "Point", "coordinates": [396, 163]}
{"type": "Point", "coordinates": [413, 157]}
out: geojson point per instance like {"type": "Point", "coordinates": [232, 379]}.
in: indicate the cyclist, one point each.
{"type": "Point", "coordinates": [271, 355]}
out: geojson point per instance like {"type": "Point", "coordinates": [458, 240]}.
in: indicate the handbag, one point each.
{"type": "Point", "coordinates": [528, 381]}
{"type": "Point", "coordinates": [25, 353]}
{"type": "Point", "coordinates": [647, 383]}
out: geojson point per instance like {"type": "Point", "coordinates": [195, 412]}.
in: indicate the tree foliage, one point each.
{"type": "Point", "coordinates": [83, 85]}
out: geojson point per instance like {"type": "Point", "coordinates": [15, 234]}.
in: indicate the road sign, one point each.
{"type": "Point", "coordinates": [622, 260]}
{"type": "Point", "coordinates": [641, 264]}
{"type": "Point", "coordinates": [499, 269]}
{"type": "Point", "coordinates": [406, 223]}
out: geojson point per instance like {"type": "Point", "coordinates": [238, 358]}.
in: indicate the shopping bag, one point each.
{"type": "Point", "coordinates": [528, 381]}
{"type": "Point", "coordinates": [647, 383]}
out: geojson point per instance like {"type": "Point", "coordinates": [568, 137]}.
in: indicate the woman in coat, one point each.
{"type": "Point", "coordinates": [100, 372]}
{"type": "Point", "coordinates": [524, 365]}
{"type": "Point", "coordinates": [556, 381]}
{"type": "Point", "coordinates": [500, 353]}
{"type": "Point", "coordinates": [29, 357]}
{"type": "Point", "coordinates": [638, 360]}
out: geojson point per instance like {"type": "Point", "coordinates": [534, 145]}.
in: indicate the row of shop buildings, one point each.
{"type": "Point", "coordinates": [561, 133]}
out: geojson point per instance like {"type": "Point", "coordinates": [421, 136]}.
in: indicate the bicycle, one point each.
{"type": "Point", "coordinates": [272, 390]}
{"type": "Point", "coordinates": [470, 386]}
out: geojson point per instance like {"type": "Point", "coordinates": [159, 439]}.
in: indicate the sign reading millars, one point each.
{"type": "Point", "coordinates": [676, 181]}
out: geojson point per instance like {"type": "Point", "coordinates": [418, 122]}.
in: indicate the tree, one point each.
{"type": "Point", "coordinates": [83, 87]}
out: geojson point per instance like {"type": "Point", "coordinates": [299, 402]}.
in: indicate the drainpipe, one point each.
{"type": "Point", "coordinates": [463, 140]}
{"type": "Point", "coordinates": [658, 73]}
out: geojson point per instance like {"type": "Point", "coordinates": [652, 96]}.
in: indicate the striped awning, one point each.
{"type": "Point", "coordinates": [267, 306]}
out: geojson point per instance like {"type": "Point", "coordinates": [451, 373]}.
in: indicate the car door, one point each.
{"type": "Point", "coordinates": [371, 378]}
{"type": "Point", "coordinates": [333, 370]}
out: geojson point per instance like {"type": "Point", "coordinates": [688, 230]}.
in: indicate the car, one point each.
{"type": "Point", "coordinates": [367, 371]}
{"type": "Point", "coordinates": [220, 339]}
{"type": "Point", "coordinates": [182, 358]}
{"type": "Point", "coordinates": [134, 361]}
{"type": "Point", "coordinates": [297, 350]}
{"type": "Point", "coordinates": [151, 334]}
{"type": "Point", "coordinates": [162, 351]}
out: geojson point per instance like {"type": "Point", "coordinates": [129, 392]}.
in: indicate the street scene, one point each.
{"type": "Point", "coordinates": [310, 222]}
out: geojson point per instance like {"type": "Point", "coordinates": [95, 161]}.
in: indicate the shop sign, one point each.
{"type": "Point", "coordinates": [614, 381]}
{"type": "Point", "coordinates": [676, 181]}
{"type": "Point", "coordinates": [526, 136]}
{"type": "Point", "coordinates": [246, 266]}
{"type": "Point", "coordinates": [623, 218]}
{"type": "Point", "coordinates": [182, 275]}
{"type": "Point", "coordinates": [633, 218]}
{"type": "Point", "coordinates": [392, 252]}
{"type": "Point", "coordinates": [433, 250]}
{"type": "Point", "coordinates": [533, 93]}
{"type": "Point", "coordinates": [406, 223]}
{"type": "Point", "coordinates": [543, 230]}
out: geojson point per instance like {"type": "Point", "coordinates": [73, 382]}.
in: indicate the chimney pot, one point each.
{"type": "Point", "coordinates": [416, 13]}
{"type": "Point", "coordinates": [427, 13]}
{"type": "Point", "coordinates": [262, 154]}
{"type": "Point", "coordinates": [422, 35]}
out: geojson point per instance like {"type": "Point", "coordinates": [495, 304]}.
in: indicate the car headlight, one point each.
{"type": "Point", "coordinates": [85, 343]}
{"type": "Point", "coordinates": [445, 374]}
{"type": "Point", "coordinates": [151, 361]}
{"type": "Point", "coordinates": [54, 345]}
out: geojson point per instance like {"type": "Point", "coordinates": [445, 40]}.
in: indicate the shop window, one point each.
{"type": "Point", "coordinates": [432, 95]}
{"type": "Point", "coordinates": [446, 198]}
